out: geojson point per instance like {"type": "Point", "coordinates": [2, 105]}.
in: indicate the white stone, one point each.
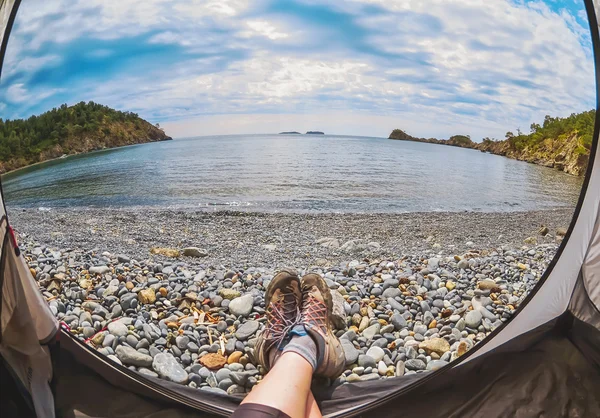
{"type": "Point", "coordinates": [376, 352]}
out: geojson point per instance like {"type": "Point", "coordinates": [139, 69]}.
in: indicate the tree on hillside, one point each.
{"type": "Point", "coordinates": [25, 139]}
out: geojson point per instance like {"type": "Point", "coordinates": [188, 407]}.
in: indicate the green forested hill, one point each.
{"type": "Point", "coordinates": [74, 129]}
{"type": "Point", "coordinates": [562, 143]}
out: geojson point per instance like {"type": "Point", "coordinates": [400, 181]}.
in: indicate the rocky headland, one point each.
{"type": "Point", "coordinates": [560, 143]}
{"type": "Point", "coordinates": [70, 130]}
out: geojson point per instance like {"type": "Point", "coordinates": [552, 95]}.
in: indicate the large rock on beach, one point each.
{"type": "Point", "coordinates": [229, 293]}
{"type": "Point", "coordinates": [331, 243]}
{"type": "Point", "coordinates": [473, 319]}
{"type": "Point", "coordinates": [376, 353]}
{"type": "Point", "coordinates": [147, 296]}
{"type": "Point", "coordinates": [213, 361]}
{"type": "Point", "coordinates": [338, 314]}
{"type": "Point", "coordinates": [99, 270]}
{"type": "Point", "coordinates": [366, 361]}
{"type": "Point", "coordinates": [350, 352]}
{"type": "Point", "coordinates": [242, 306]}
{"type": "Point", "coordinates": [166, 252]}
{"type": "Point", "coordinates": [415, 364]}
{"type": "Point", "coordinates": [435, 345]}
{"type": "Point", "coordinates": [168, 368]}
{"type": "Point", "coordinates": [433, 264]}
{"type": "Point", "coordinates": [371, 331]}
{"type": "Point", "coordinates": [398, 321]}
{"type": "Point", "coordinates": [131, 356]}
{"type": "Point", "coordinates": [118, 329]}
{"type": "Point", "coordinates": [194, 252]}
{"type": "Point", "coordinates": [246, 330]}
{"type": "Point", "coordinates": [436, 364]}
{"type": "Point", "coordinates": [487, 284]}
{"type": "Point", "coordinates": [463, 264]}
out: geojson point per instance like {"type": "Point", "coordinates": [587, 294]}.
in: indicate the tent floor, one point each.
{"type": "Point", "coordinates": [81, 392]}
{"type": "Point", "coordinates": [12, 401]}
{"type": "Point", "coordinates": [540, 374]}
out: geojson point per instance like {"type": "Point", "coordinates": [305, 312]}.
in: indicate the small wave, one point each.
{"type": "Point", "coordinates": [44, 209]}
{"type": "Point", "coordinates": [234, 204]}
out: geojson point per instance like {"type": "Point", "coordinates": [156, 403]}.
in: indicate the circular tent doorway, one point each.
{"type": "Point", "coordinates": [552, 341]}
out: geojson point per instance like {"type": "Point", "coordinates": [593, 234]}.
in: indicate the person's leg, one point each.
{"type": "Point", "coordinates": [312, 409]}
{"type": "Point", "coordinates": [297, 341]}
{"type": "Point", "coordinates": [286, 387]}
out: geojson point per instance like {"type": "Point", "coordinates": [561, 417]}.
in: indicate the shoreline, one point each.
{"type": "Point", "coordinates": [279, 239]}
{"type": "Point", "coordinates": [497, 148]}
{"type": "Point", "coordinates": [75, 154]}
{"type": "Point", "coordinates": [39, 163]}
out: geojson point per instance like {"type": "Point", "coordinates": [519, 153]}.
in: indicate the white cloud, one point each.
{"type": "Point", "coordinates": [265, 29]}
{"type": "Point", "coordinates": [29, 64]}
{"type": "Point", "coordinates": [17, 93]}
{"type": "Point", "coordinates": [211, 8]}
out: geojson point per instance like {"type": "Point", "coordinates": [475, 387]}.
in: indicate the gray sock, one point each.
{"type": "Point", "coordinates": [303, 345]}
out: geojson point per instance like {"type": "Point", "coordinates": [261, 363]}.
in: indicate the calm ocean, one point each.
{"type": "Point", "coordinates": [292, 173]}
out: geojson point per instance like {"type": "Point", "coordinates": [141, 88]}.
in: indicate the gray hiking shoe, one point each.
{"type": "Point", "coordinates": [282, 303]}
{"type": "Point", "coordinates": [315, 315]}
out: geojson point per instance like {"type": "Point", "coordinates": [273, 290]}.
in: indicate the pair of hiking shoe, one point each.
{"type": "Point", "coordinates": [290, 302]}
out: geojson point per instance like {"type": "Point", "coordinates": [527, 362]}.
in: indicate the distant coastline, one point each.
{"type": "Point", "coordinates": [560, 143]}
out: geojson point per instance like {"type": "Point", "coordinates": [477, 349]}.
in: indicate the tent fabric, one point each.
{"type": "Point", "coordinates": [591, 267]}
{"type": "Point", "coordinates": [585, 332]}
{"type": "Point", "coordinates": [552, 298]}
{"type": "Point", "coordinates": [79, 381]}
{"type": "Point", "coordinates": [545, 361]}
{"type": "Point", "coordinates": [162, 391]}
{"type": "Point", "coordinates": [539, 374]}
{"type": "Point", "coordinates": [25, 319]}
{"type": "Point", "coordinates": [6, 8]}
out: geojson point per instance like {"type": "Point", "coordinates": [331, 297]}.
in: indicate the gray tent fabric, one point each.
{"type": "Point", "coordinates": [543, 362]}
{"type": "Point", "coordinates": [24, 312]}
{"type": "Point", "coordinates": [591, 268]}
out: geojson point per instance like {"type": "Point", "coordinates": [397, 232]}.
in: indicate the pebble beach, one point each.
{"type": "Point", "coordinates": [180, 294]}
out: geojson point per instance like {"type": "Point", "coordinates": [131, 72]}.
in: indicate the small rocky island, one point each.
{"type": "Point", "coordinates": [298, 133]}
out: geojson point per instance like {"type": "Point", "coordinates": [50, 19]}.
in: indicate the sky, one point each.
{"type": "Point", "coordinates": [433, 68]}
